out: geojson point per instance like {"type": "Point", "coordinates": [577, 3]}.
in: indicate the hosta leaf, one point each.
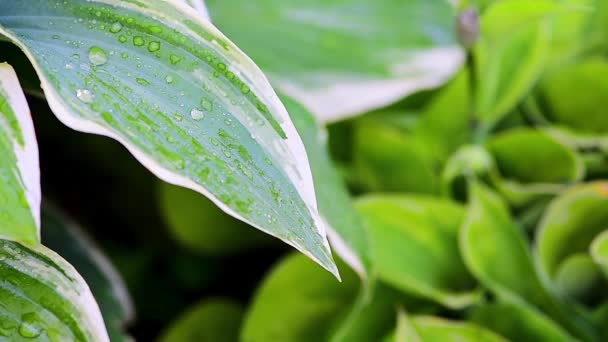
{"type": "Point", "coordinates": [570, 224]}
{"type": "Point", "coordinates": [435, 329]}
{"type": "Point", "coordinates": [532, 156]}
{"type": "Point", "coordinates": [512, 52]}
{"type": "Point", "coordinates": [215, 319]}
{"type": "Point", "coordinates": [342, 58]}
{"type": "Point", "coordinates": [19, 172]}
{"type": "Point", "coordinates": [388, 160]}
{"type": "Point", "coordinates": [67, 239]}
{"type": "Point", "coordinates": [495, 251]}
{"type": "Point", "coordinates": [566, 103]}
{"type": "Point", "coordinates": [298, 302]}
{"type": "Point", "coordinates": [518, 322]}
{"type": "Point", "coordinates": [415, 247]}
{"type": "Point", "coordinates": [344, 228]}
{"type": "Point", "coordinates": [599, 251]}
{"type": "Point", "coordinates": [199, 225]}
{"type": "Point", "coordinates": [43, 297]}
{"type": "Point", "coordinates": [182, 98]}
{"type": "Point", "coordinates": [579, 278]}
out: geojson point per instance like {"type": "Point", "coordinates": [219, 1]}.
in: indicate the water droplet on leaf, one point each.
{"type": "Point", "coordinates": [98, 56]}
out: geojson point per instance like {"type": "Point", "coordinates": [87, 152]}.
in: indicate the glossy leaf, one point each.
{"type": "Point", "coordinates": [599, 251]}
{"type": "Point", "coordinates": [182, 98]}
{"type": "Point", "coordinates": [43, 297]}
{"type": "Point", "coordinates": [435, 329]}
{"type": "Point", "coordinates": [298, 302]}
{"type": "Point", "coordinates": [19, 171]}
{"type": "Point", "coordinates": [495, 251]}
{"type": "Point", "coordinates": [570, 224]}
{"type": "Point", "coordinates": [532, 156]}
{"type": "Point", "coordinates": [67, 239]}
{"type": "Point", "coordinates": [579, 278]}
{"type": "Point", "coordinates": [518, 322]}
{"type": "Point", "coordinates": [567, 103]}
{"type": "Point", "coordinates": [199, 225]}
{"type": "Point", "coordinates": [415, 246]}
{"type": "Point", "coordinates": [343, 58]}
{"type": "Point", "coordinates": [212, 320]}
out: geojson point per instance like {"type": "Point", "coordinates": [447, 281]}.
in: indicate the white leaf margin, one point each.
{"type": "Point", "coordinates": [298, 172]}
{"type": "Point", "coordinates": [27, 155]}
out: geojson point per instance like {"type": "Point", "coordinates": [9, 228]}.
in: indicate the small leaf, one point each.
{"type": "Point", "coordinates": [566, 103]}
{"type": "Point", "coordinates": [495, 251]}
{"type": "Point", "coordinates": [579, 278]}
{"type": "Point", "coordinates": [435, 329]}
{"type": "Point", "coordinates": [415, 247]}
{"type": "Point", "coordinates": [532, 156]}
{"type": "Point", "coordinates": [182, 98]}
{"type": "Point", "coordinates": [19, 171]}
{"type": "Point", "coordinates": [343, 58]}
{"type": "Point", "coordinates": [215, 319]}
{"type": "Point", "coordinates": [511, 55]}
{"type": "Point", "coordinates": [388, 160]}
{"type": "Point", "coordinates": [199, 225]}
{"type": "Point", "coordinates": [344, 228]}
{"type": "Point", "coordinates": [42, 296]}
{"type": "Point", "coordinates": [298, 302]}
{"type": "Point", "coordinates": [599, 251]}
{"type": "Point", "coordinates": [570, 224]}
{"type": "Point", "coordinates": [107, 286]}
{"type": "Point", "coordinates": [518, 322]}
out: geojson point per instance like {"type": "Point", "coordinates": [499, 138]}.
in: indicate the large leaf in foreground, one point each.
{"type": "Point", "coordinates": [19, 172]}
{"type": "Point", "coordinates": [342, 58]}
{"type": "Point", "coordinates": [43, 297]}
{"type": "Point", "coordinates": [67, 239]}
{"type": "Point", "coordinates": [182, 98]}
{"type": "Point", "coordinates": [344, 227]}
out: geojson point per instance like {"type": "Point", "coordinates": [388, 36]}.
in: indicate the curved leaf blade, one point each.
{"type": "Point", "coordinates": [599, 251]}
{"type": "Point", "coordinates": [435, 329]}
{"type": "Point", "coordinates": [185, 101]}
{"type": "Point", "coordinates": [343, 58]}
{"type": "Point", "coordinates": [19, 170]}
{"type": "Point", "coordinates": [42, 296]}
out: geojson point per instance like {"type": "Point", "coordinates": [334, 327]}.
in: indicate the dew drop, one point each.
{"type": "Point", "coordinates": [116, 27]}
{"type": "Point", "coordinates": [169, 79]}
{"type": "Point", "coordinates": [30, 325]}
{"type": "Point", "coordinates": [174, 59]}
{"type": "Point", "coordinates": [98, 56]}
{"type": "Point", "coordinates": [207, 104]}
{"type": "Point", "coordinates": [153, 46]}
{"type": "Point", "coordinates": [142, 81]}
{"type": "Point", "coordinates": [85, 95]}
{"type": "Point", "coordinates": [245, 89]}
{"type": "Point", "coordinates": [138, 41]}
{"type": "Point", "coordinates": [197, 114]}
{"type": "Point", "coordinates": [122, 39]}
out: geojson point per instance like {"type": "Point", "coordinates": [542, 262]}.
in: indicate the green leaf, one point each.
{"type": "Point", "coordinates": [344, 228]}
{"type": "Point", "coordinates": [182, 98]}
{"type": "Point", "coordinates": [532, 156]}
{"type": "Point", "coordinates": [496, 252]}
{"type": "Point", "coordinates": [298, 302]}
{"type": "Point", "coordinates": [43, 297]}
{"type": "Point", "coordinates": [511, 54]}
{"type": "Point", "coordinates": [199, 225]}
{"type": "Point", "coordinates": [19, 171]}
{"type": "Point", "coordinates": [570, 224]}
{"type": "Point", "coordinates": [199, 6]}
{"type": "Point", "coordinates": [518, 322]}
{"type": "Point", "coordinates": [599, 251]}
{"type": "Point", "coordinates": [67, 239]}
{"type": "Point", "coordinates": [212, 320]}
{"type": "Point", "coordinates": [342, 58]}
{"type": "Point", "coordinates": [435, 329]}
{"type": "Point", "coordinates": [415, 246]}
{"type": "Point", "coordinates": [579, 278]}
{"type": "Point", "coordinates": [566, 102]}
{"type": "Point", "coordinates": [386, 159]}
{"type": "Point", "coordinates": [405, 331]}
